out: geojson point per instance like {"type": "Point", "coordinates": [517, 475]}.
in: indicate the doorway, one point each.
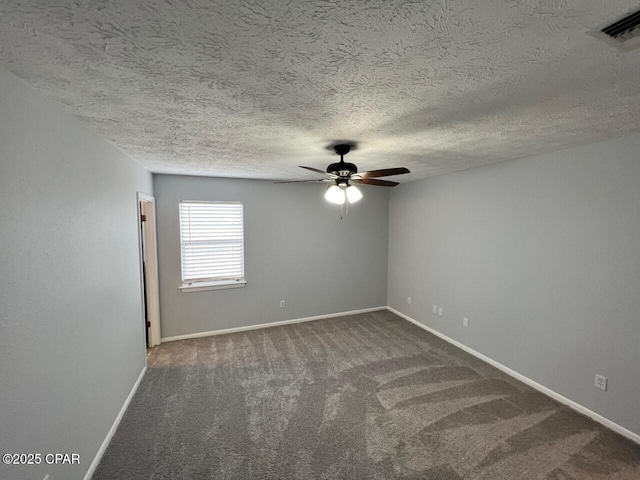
{"type": "Point", "coordinates": [149, 269]}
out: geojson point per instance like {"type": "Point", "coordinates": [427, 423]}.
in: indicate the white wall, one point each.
{"type": "Point", "coordinates": [71, 332]}
{"type": "Point", "coordinates": [543, 255]}
{"type": "Point", "coordinates": [296, 249]}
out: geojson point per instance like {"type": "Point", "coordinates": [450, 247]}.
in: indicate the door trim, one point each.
{"type": "Point", "coordinates": [151, 262]}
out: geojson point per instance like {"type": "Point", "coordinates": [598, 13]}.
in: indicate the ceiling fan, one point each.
{"type": "Point", "coordinates": [343, 174]}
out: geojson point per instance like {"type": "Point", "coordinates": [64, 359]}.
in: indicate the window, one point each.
{"type": "Point", "coordinates": [212, 245]}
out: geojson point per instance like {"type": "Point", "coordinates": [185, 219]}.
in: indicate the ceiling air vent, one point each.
{"type": "Point", "coordinates": [623, 33]}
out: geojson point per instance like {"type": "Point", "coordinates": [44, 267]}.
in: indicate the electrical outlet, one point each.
{"type": "Point", "coordinates": [435, 309]}
{"type": "Point", "coordinates": [465, 322]}
{"type": "Point", "coordinates": [440, 311]}
{"type": "Point", "coordinates": [601, 382]}
{"type": "Point", "coordinates": [282, 304]}
{"type": "Point", "coordinates": [409, 300]}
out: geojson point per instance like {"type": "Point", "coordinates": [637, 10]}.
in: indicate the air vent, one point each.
{"type": "Point", "coordinates": [623, 33]}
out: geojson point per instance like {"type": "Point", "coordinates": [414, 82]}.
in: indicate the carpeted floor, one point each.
{"type": "Point", "coordinates": [363, 397]}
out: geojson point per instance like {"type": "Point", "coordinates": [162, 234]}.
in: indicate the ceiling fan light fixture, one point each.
{"type": "Point", "coordinates": [353, 194]}
{"type": "Point", "coordinates": [335, 194]}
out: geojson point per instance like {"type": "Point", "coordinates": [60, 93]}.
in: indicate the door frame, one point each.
{"type": "Point", "coordinates": [148, 229]}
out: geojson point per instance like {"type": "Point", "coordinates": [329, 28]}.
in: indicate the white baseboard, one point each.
{"type": "Point", "coordinates": [541, 388]}
{"type": "Point", "coordinates": [105, 443]}
{"type": "Point", "coordinates": [272, 324]}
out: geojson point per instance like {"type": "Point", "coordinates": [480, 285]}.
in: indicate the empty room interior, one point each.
{"type": "Point", "coordinates": [320, 240]}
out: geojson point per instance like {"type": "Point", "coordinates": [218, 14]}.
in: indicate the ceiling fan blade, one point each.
{"type": "Point", "coordinates": [301, 181]}
{"type": "Point", "coordinates": [313, 169]}
{"type": "Point", "coordinates": [385, 172]}
{"type": "Point", "coordinates": [373, 181]}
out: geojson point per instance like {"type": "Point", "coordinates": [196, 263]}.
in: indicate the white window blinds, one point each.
{"type": "Point", "coordinates": [212, 241]}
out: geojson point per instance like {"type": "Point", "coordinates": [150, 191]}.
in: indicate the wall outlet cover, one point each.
{"type": "Point", "coordinates": [409, 300]}
{"type": "Point", "coordinates": [601, 382]}
{"type": "Point", "coordinates": [440, 311]}
{"type": "Point", "coordinates": [435, 309]}
{"type": "Point", "coordinates": [465, 322]}
{"type": "Point", "coordinates": [282, 304]}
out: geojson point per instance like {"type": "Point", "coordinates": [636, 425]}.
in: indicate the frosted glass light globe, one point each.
{"type": "Point", "coordinates": [335, 194]}
{"type": "Point", "coordinates": [353, 194]}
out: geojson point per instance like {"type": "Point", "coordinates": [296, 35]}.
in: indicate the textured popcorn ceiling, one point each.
{"type": "Point", "coordinates": [254, 88]}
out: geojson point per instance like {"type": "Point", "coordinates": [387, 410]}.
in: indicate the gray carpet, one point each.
{"type": "Point", "coordinates": [363, 397]}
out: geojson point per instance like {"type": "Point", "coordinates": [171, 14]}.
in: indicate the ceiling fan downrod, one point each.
{"type": "Point", "coordinates": [342, 169]}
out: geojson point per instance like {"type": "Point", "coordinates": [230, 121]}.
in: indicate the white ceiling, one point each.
{"type": "Point", "coordinates": [254, 88]}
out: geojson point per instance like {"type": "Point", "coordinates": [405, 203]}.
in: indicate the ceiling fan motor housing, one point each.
{"type": "Point", "coordinates": [342, 169]}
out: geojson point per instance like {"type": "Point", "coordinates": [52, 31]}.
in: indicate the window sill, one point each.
{"type": "Point", "coordinates": [202, 286]}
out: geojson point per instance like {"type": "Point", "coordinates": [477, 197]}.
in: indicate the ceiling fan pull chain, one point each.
{"type": "Point", "coordinates": [344, 208]}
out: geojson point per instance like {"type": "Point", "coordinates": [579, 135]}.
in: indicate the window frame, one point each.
{"type": "Point", "coordinates": [209, 283]}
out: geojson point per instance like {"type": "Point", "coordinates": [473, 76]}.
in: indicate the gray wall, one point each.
{"type": "Point", "coordinates": [296, 249]}
{"type": "Point", "coordinates": [71, 333]}
{"type": "Point", "coordinates": [543, 256]}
